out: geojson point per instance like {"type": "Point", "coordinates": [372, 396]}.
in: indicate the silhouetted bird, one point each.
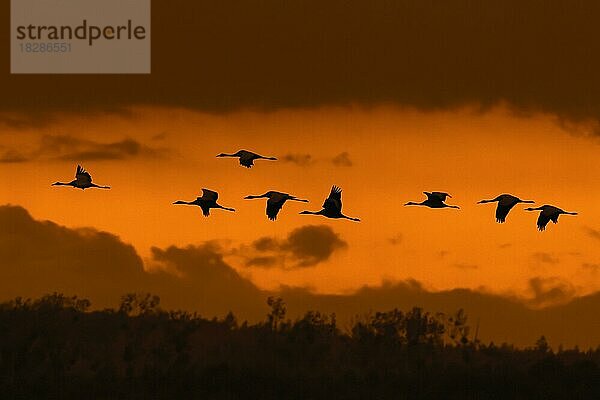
{"type": "Point", "coordinates": [505, 203]}
{"type": "Point", "coordinates": [83, 180]}
{"type": "Point", "coordinates": [434, 200]}
{"type": "Point", "coordinates": [547, 214]}
{"type": "Point", "coordinates": [332, 207]}
{"type": "Point", "coordinates": [246, 157]}
{"type": "Point", "coordinates": [275, 202]}
{"type": "Point", "coordinates": [206, 202]}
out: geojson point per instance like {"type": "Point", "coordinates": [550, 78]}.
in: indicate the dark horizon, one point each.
{"type": "Point", "coordinates": [140, 351]}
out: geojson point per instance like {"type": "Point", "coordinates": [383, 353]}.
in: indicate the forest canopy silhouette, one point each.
{"type": "Point", "coordinates": [139, 350]}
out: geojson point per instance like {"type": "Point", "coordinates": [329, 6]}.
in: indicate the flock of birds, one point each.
{"type": "Point", "coordinates": [332, 207]}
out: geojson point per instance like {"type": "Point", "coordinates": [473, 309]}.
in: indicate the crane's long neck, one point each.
{"type": "Point", "coordinates": [62, 184]}
{"type": "Point", "coordinates": [527, 201]}
{"type": "Point", "coordinates": [189, 203]}
{"type": "Point", "coordinates": [255, 197]}
{"type": "Point", "coordinates": [569, 212]}
{"type": "Point", "coordinates": [534, 209]}
{"type": "Point", "coordinates": [225, 208]}
{"type": "Point", "coordinates": [449, 206]}
{"type": "Point", "coordinates": [268, 158]}
{"type": "Point", "coordinates": [350, 218]}
{"type": "Point", "coordinates": [412, 203]}
{"type": "Point", "coordinates": [311, 212]}
{"type": "Point", "coordinates": [99, 187]}
{"type": "Point", "coordinates": [486, 201]}
{"type": "Point", "coordinates": [297, 199]}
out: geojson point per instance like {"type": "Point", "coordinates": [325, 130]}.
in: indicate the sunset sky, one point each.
{"type": "Point", "coordinates": [385, 100]}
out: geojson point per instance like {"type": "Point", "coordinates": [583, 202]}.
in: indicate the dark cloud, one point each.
{"type": "Point", "coordinates": [25, 118]}
{"type": "Point", "coordinates": [303, 160]}
{"type": "Point", "coordinates": [40, 257]}
{"type": "Point", "coordinates": [533, 55]}
{"type": "Point", "coordinates": [12, 156]}
{"type": "Point", "coordinates": [206, 283]}
{"type": "Point", "coordinates": [593, 268]}
{"type": "Point", "coordinates": [307, 246]}
{"type": "Point", "coordinates": [595, 233]}
{"type": "Point", "coordinates": [550, 291]}
{"type": "Point", "coordinates": [342, 160]}
{"type": "Point", "coordinates": [546, 258]}
{"type": "Point", "coordinates": [70, 148]}
{"type": "Point", "coordinates": [312, 244]}
{"type": "Point", "coordinates": [160, 136]}
{"type": "Point", "coordinates": [263, 262]}
{"type": "Point", "coordinates": [396, 240]}
{"type": "Point", "coordinates": [500, 319]}
{"type": "Point", "coordinates": [265, 244]}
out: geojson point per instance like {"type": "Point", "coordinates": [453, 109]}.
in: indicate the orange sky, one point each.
{"type": "Point", "coordinates": [396, 154]}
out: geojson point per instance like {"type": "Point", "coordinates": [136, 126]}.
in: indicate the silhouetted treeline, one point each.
{"type": "Point", "coordinates": [54, 347]}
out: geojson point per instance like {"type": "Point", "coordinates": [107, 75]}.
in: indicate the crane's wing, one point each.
{"type": "Point", "coordinates": [82, 175]}
{"type": "Point", "coordinates": [209, 195]}
{"type": "Point", "coordinates": [435, 198]}
{"type": "Point", "coordinates": [438, 195]}
{"type": "Point", "coordinates": [274, 204]}
{"type": "Point", "coordinates": [334, 201]}
{"type": "Point", "coordinates": [508, 200]}
{"type": "Point", "coordinates": [542, 221]}
{"type": "Point", "coordinates": [246, 153]}
{"type": "Point", "coordinates": [552, 213]}
{"type": "Point", "coordinates": [502, 210]}
{"type": "Point", "coordinates": [205, 209]}
{"type": "Point", "coordinates": [247, 158]}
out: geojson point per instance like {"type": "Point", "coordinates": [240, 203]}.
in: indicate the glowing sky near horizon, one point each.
{"type": "Point", "coordinates": [395, 153]}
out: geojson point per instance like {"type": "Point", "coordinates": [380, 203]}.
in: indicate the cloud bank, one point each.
{"type": "Point", "coordinates": [39, 257]}
{"type": "Point", "coordinates": [304, 247]}
{"type": "Point", "coordinates": [77, 149]}
{"type": "Point", "coordinates": [223, 56]}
